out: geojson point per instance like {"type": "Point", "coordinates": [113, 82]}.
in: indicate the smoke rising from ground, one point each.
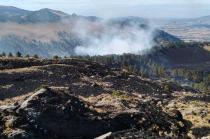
{"type": "Point", "coordinates": [107, 38]}
{"type": "Point", "coordinates": [78, 36]}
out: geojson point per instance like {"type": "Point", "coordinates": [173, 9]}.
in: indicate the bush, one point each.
{"type": "Point", "coordinates": [18, 54]}
{"type": "Point", "coordinates": [3, 54]}
{"type": "Point", "coordinates": [167, 88]}
{"type": "Point", "coordinates": [55, 57]}
{"type": "Point", "coordinates": [10, 55]}
{"type": "Point", "coordinates": [27, 56]}
{"type": "Point", "coordinates": [35, 56]}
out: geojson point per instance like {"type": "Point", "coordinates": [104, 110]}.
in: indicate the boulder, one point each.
{"type": "Point", "coordinates": [52, 113]}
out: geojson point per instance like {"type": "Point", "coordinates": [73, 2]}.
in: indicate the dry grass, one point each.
{"type": "Point", "coordinates": [46, 32]}
{"type": "Point", "coordinates": [13, 100]}
{"type": "Point", "coordinates": [114, 102]}
{"type": "Point", "coordinates": [197, 112]}
{"type": "Point", "coordinates": [188, 33]}
{"type": "Point", "coordinates": [42, 32]}
{"type": "Point", "coordinates": [207, 48]}
{"type": "Point", "coordinates": [20, 70]}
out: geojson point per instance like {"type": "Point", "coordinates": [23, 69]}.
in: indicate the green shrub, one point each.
{"type": "Point", "coordinates": [167, 88]}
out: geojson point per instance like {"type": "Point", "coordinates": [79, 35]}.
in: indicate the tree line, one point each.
{"type": "Point", "coordinates": [144, 66]}
{"type": "Point", "coordinates": [18, 54]}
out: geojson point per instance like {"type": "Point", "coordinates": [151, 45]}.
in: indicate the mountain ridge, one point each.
{"type": "Point", "coordinates": [48, 32]}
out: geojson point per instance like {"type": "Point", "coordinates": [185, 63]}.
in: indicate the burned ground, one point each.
{"type": "Point", "coordinates": [72, 98]}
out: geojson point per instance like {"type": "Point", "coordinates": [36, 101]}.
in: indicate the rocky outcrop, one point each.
{"type": "Point", "coordinates": [53, 113]}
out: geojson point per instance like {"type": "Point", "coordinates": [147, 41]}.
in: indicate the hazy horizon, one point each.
{"type": "Point", "coordinates": [108, 8]}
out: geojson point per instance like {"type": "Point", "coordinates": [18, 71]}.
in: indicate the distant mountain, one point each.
{"type": "Point", "coordinates": [187, 29]}
{"type": "Point", "coordinates": [48, 32]}
{"type": "Point", "coordinates": [129, 21]}
{"type": "Point", "coordinates": [203, 20]}
{"type": "Point", "coordinates": [12, 11]}
{"type": "Point", "coordinates": [160, 36]}
{"type": "Point", "coordinates": [44, 15]}
{"type": "Point", "coordinates": [13, 14]}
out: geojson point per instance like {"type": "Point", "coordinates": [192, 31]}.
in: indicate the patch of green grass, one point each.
{"type": "Point", "coordinates": [119, 94]}
{"type": "Point", "coordinates": [196, 103]}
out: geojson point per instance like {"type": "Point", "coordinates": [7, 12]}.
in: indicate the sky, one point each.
{"type": "Point", "coordinates": [113, 8]}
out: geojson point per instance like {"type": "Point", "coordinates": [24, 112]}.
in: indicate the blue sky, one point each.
{"type": "Point", "coordinates": [110, 8]}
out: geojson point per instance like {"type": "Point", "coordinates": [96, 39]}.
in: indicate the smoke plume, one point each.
{"type": "Point", "coordinates": [109, 38]}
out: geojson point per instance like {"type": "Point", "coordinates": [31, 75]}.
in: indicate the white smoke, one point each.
{"type": "Point", "coordinates": [97, 37]}
{"type": "Point", "coordinates": [104, 39]}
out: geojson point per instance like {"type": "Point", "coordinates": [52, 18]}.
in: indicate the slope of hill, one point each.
{"type": "Point", "coordinates": [90, 100]}
{"type": "Point", "coordinates": [180, 56]}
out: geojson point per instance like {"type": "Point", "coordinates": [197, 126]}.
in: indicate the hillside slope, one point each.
{"type": "Point", "coordinates": [180, 56]}
{"type": "Point", "coordinates": [90, 100]}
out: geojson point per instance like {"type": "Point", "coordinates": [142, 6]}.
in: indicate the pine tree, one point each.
{"type": "Point", "coordinates": [10, 55]}
{"type": "Point", "coordinates": [3, 54]}
{"type": "Point", "coordinates": [18, 54]}
{"type": "Point", "coordinates": [55, 57]}
{"type": "Point", "coordinates": [35, 56]}
{"type": "Point", "coordinates": [27, 56]}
